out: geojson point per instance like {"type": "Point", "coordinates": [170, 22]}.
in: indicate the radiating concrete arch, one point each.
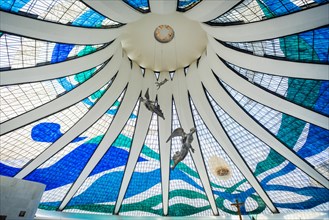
{"type": "Point", "coordinates": [58, 70]}
{"type": "Point", "coordinates": [141, 129]}
{"type": "Point", "coordinates": [163, 6]}
{"type": "Point", "coordinates": [264, 97]}
{"type": "Point", "coordinates": [270, 66]}
{"type": "Point", "coordinates": [165, 99]}
{"type": "Point", "coordinates": [183, 109]}
{"type": "Point", "coordinates": [84, 123]}
{"type": "Point", "coordinates": [231, 107]}
{"type": "Point", "coordinates": [66, 100]}
{"type": "Point", "coordinates": [59, 33]}
{"type": "Point", "coordinates": [126, 108]}
{"type": "Point", "coordinates": [206, 112]}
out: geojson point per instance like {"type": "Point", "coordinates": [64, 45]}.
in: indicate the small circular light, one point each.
{"type": "Point", "coordinates": [164, 33]}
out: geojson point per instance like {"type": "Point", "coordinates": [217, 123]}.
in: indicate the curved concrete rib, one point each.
{"type": "Point", "coordinates": [67, 100]}
{"type": "Point", "coordinates": [267, 65]}
{"type": "Point", "coordinates": [141, 129]}
{"type": "Point", "coordinates": [163, 6]}
{"type": "Point", "coordinates": [239, 115]}
{"type": "Point", "coordinates": [272, 28]}
{"type": "Point", "coordinates": [58, 70]}
{"type": "Point", "coordinates": [59, 33]}
{"type": "Point", "coordinates": [119, 121]}
{"type": "Point", "coordinates": [84, 123]}
{"type": "Point", "coordinates": [185, 116]}
{"type": "Point", "coordinates": [262, 96]}
{"type": "Point", "coordinates": [207, 10]}
{"type": "Point", "coordinates": [206, 112]}
{"type": "Point", "coordinates": [116, 10]}
{"type": "Point", "coordinates": [165, 100]}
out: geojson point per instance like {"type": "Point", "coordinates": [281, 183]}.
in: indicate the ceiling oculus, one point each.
{"type": "Point", "coordinates": [164, 33]}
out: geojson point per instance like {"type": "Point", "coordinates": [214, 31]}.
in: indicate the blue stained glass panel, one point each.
{"type": "Point", "coordinates": [143, 196]}
{"type": "Point", "coordinates": [186, 194]}
{"type": "Point", "coordinates": [234, 186]}
{"type": "Point", "coordinates": [311, 94]}
{"type": "Point", "coordinates": [73, 12]}
{"type": "Point", "coordinates": [141, 5]}
{"type": "Point", "coordinates": [185, 5]}
{"type": "Point", "coordinates": [12, 5]}
{"type": "Point", "coordinates": [21, 52]}
{"type": "Point", "coordinates": [103, 183]}
{"type": "Point", "coordinates": [256, 10]}
{"type": "Point", "coordinates": [307, 140]}
{"type": "Point", "coordinates": [309, 46]}
{"type": "Point", "coordinates": [287, 186]}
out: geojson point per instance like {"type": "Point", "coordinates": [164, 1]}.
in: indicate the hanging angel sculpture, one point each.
{"type": "Point", "coordinates": [152, 105]}
{"type": "Point", "coordinates": [187, 139]}
{"type": "Point", "coordinates": [159, 84]}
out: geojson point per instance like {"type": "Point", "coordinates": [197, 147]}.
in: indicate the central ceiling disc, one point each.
{"type": "Point", "coordinates": [164, 33]}
{"type": "Point", "coordinates": [164, 42]}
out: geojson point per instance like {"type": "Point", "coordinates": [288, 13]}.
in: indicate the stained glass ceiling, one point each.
{"type": "Point", "coordinates": [258, 95]}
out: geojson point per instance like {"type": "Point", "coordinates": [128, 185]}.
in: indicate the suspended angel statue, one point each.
{"type": "Point", "coordinates": [159, 84]}
{"type": "Point", "coordinates": [187, 139]}
{"type": "Point", "coordinates": [152, 105]}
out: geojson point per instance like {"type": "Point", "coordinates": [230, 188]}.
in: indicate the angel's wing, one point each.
{"type": "Point", "coordinates": [177, 132]}
{"type": "Point", "coordinates": [159, 112]}
{"type": "Point", "coordinates": [147, 96]}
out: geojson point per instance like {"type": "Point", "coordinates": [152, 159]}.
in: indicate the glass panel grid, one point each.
{"type": "Point", "coordinates": [18, 99]}
{"type": "Point", "coordinates": [69, 12]}
{"type": "Point", "coordinates": [307, 140]}
{"type": "Point", "coordinates": [310, 46]}
{"type": "Point", "coordinates": [287, 186]}
{"type": "Point", "coordinates": [236, 187]}
{"type": "Point", "coordinates": [22, 145]}
{"type": "Point", "coordinates": [311, 94]}
{"type": "Point", "coordinates": [186, 194]}
{"type": "Point", "coordinates": [258, 10]}
{"type": "Point", "coordinates": [36, 137]}
{"type": "Point", "coordinates": [62, 169]}
{"type": "Point", "coordinates": [99, 191]}
{"type": "Point", "coordinates": [21, 52]}
{"type": "Point", "coordinates": [144, 193]}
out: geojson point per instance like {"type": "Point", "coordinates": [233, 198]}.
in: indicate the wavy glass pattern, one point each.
{"type": "Point", "coordinates": [307, 140]}
{"type": "Point", "coordinates": [24, 144]}
{"type": "Point", "coordinates": [18, 99]}
{"type": "Point", "coordinates": [186, 194]}
{"type": "Point", "coordinates": [140, 5]}
{"type": "Point", "coordinates": [258, 10]}
{"type": "Point", "coordinates": [21, 52]}
{"type": "Point", "coordinates": [106, 177]}
{"type": "Point", "coordinates": [36, 137]}
{"type": "Point", "coordinates": [236, 187]}
{"type": "Point", "coordinates": [311, 94]}
{"type": "Point", "coordinates": [185, 5]}
{"type": "Point", "coordinates": [63, 168]}
{"type": "Point", "coordinates": [69, 12]}
{"type": "Point", "coordinates": [310, 46]}
{"type": "Point", "coordinates": [286, 185]}
{"type": "Point", "coordinates": [144, 193]}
